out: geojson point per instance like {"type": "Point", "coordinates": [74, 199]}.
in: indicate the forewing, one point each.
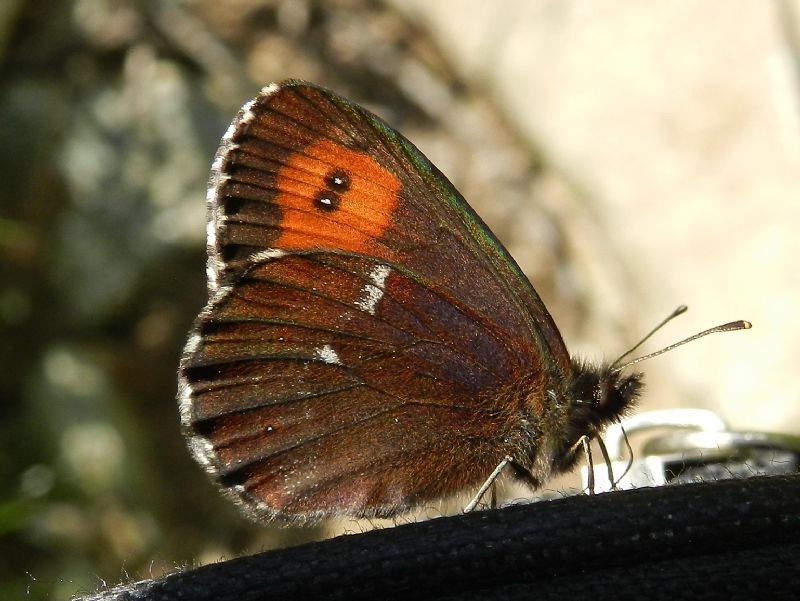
{"type": "Point", "coordinates": [280, 159]}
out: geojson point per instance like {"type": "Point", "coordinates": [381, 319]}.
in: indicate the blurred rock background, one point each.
{"type": "Point", "coordinates": [632, 156]}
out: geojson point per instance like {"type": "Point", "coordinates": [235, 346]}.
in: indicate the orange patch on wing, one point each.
{"type": "Point", "coordinates": [350, 215]}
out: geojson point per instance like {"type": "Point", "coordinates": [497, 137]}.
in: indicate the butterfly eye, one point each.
{"type": "Point", "coordinates": [607, 396]}
{"type": "Point", "coordinates": [600, 392]}
{"type": "Point", "coordinates": [613, 396]}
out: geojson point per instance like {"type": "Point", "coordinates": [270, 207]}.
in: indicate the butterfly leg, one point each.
{"type": "Point", "coordinates": [485, 486]}
{"type": "Point", "coordinates": [629, 465]}
{"type": "Point", "coordinates": [609, 464]}
{"type": "Point", "coordinates": [587, 451]}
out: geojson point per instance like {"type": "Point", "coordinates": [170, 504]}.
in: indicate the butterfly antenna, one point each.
{"type": "Point", "coordinates": [679, 311]}
{"type": "Point", "coordinates": [726, 327]}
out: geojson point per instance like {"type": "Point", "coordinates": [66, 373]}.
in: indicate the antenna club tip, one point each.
{"type": "Point", "coordinates": [746, 325]}
{"type": "Point", "coordinates": [680, 310]}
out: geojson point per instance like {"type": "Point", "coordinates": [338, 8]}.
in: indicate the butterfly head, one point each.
{"type": "Point", "coordinates": [596, 396]}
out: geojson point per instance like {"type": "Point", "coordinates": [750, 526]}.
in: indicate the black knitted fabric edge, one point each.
{"type": "Point", "coordinates": [718, 540]}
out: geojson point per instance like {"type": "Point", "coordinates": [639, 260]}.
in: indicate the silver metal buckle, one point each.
{"type": "Point", "coordinates": [697, 447]}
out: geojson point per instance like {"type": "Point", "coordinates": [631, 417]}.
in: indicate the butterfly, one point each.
{"type": "Point", "coordinates": [368, 345]}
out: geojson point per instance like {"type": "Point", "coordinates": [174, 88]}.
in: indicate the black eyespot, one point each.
{"type": "Point", "coordinates": [338, 180]}
{"type": "Point", "coordinates": [327, 200]}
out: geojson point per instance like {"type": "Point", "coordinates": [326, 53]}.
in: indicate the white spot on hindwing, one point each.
{"type": "Point", "coordinates": [327, 354]}
{"type": "Point", "coordinates": [267, 255]}
{"type": "Point", "coordinates": [372, 293]}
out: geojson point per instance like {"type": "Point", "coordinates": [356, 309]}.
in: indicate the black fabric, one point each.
{"type": "Point", "coordinates": [732, 539]}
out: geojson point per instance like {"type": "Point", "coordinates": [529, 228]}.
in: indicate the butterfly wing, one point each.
{"type": "Point", "coordinates": [369, 345]}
